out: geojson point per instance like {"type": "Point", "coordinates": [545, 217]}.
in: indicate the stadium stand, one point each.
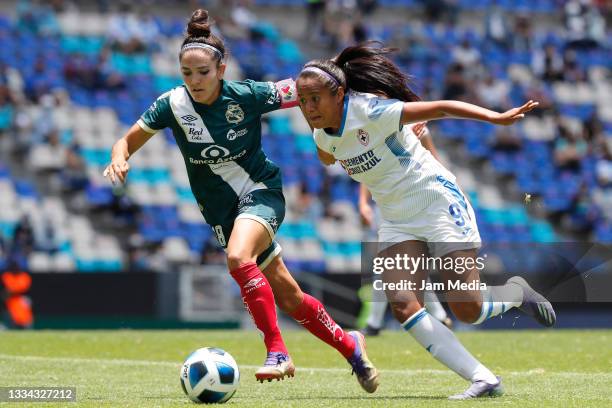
{"type": "Point", "coordinates": [71, 81]}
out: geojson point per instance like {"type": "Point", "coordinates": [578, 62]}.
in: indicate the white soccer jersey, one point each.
{"type": "Point", "coordinates": [374, 149]}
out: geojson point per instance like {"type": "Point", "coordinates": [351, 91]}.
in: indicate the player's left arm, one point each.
{"type": "Point", "coordinates": [269, 96]}
{"type": "Point", "coordinates": [423, 111]}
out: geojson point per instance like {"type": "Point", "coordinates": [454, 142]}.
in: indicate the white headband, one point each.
{"type": "Point", "coordinates": [321, 72]}
{"type": "Point", "coordinates": [202, 46]}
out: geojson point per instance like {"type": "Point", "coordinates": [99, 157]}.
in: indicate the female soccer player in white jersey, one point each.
{"type": "Point", "coordinates": [370, 217]}
{"type": "Point", "coordinates": [358, 104]}
{"type": "Point", "coordinates": [217, 127]}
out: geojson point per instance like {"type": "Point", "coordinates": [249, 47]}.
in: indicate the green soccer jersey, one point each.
{"type": "Point", "coordinates": [220, 143]}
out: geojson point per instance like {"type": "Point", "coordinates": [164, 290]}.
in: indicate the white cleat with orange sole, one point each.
{"type": "Point", "coordinates": [276, 367]}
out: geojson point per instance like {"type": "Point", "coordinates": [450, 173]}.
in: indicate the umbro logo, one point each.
{"type": "Point", "coordinates": [189, 118]}
{"type": "Point", "coordinates": [252, 283]}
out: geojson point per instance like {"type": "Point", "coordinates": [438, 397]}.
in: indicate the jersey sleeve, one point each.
{"type": "Point", "coordinates": [320, 141]}
{"type": "Point", "coordinates": [270, 96]}
{"type": "Point", "coordinates": [386, 113]}
{"type": "Point", "coordinates": [158, 116]}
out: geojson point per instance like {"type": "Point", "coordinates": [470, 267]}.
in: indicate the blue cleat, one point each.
{"type": "Point", "coordinates": [481, 389]}
{"type": "Point", "coordinates": [276, 367]}
{"type": "Point", "coordinates": [367, 375]}
{"type": "Point", "coordinates": [534, 304]}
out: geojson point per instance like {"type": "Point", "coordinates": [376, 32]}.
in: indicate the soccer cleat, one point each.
{"type": "Point", "coordinates": [481, 389]}
{"type": "Point", "coordinates": [367, 375]}
{"type": "Point", "coordinates": [370, 331]}
{"type": "Point", "coordinates": [276, 367]}
{"type": "Point", "coordinates": [534, 304]}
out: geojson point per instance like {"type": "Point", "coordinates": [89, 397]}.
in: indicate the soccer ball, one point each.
{"type": "Point", "coordinates": [210, 375]}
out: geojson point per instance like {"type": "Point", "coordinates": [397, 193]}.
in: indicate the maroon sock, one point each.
{"type": "Point", "coordinates": [312, 315]}
{"type": "Point", "coordinates": [259, 301]}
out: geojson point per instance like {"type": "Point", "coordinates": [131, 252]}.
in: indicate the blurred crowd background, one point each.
{"type": "Point", "coordinates": [74, 75]}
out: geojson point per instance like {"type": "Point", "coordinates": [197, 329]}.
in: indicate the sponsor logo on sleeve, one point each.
{"type": "Point", "coordinates": [274, 96]}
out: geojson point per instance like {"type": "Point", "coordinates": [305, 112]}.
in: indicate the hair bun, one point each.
{"type": "Point", "coordinates": [198, 25]}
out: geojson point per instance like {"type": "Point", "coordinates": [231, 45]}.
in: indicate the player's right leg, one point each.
{"type": "Point", "coordinates": [437, 339]}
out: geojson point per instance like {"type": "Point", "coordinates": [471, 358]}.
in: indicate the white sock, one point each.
{"type": "Point", "coordinates": [499, 299]}
{"type": "Point", "coordinates": [446, 348]}
{"type": "Point", "coordinates": [378, 307]}
{"type": "Point", "coordinates": [433, 305]}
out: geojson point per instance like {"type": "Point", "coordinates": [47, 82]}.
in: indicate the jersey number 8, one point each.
{"type": "Point", "coordinates": [220, 237]}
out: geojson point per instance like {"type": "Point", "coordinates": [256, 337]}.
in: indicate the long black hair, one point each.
{"type": "Point", "coordinates": [198, 31]}
{"type": "Point", "coordinates": [365, 68]}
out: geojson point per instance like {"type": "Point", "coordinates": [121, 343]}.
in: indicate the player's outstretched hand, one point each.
{"type": "Point", "coordinates": [117, 170]}
{"type": "Point", "coordinates": [514, 114]}
{"type": "Point", "coordinates": [420, 129]}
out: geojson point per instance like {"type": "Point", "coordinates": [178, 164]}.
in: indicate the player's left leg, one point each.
{"type": "Point", "coordinates": [456, 237]}
{"type": "Point", "coordinates": [311, 314]}
{"type": "Point", "coordinates": [475, 305]}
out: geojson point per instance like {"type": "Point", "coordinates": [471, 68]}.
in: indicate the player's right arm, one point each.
{"type": "Point", "coordinates": [157, 117]}
{"type": "Point", "coordinates": [123, 149]}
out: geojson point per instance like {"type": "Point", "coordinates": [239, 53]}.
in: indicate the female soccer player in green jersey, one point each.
{"type": "Point", "coordinates": [217, 126]}
{"type": "Point", "coordinates": [359, 103]}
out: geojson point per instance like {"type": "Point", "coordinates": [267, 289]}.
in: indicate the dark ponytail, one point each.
{"type": "Point", "coordinates": [368, 69]}
{"type": "Point", "coordinates": [198, 31]}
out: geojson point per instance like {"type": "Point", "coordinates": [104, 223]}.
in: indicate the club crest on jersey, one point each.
{"type": "Point", "coordinates": [234, 113]}
{"type": "Point", "coordinates": [363, 137]}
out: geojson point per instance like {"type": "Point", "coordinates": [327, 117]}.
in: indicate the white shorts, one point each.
{"type": "Point", "coordinates": [448, 225]}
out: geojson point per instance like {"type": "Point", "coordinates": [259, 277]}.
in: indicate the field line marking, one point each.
{"type": "Point", "coordinates": [119, 361]}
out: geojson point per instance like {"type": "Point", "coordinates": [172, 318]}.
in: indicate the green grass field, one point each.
{"type": "Point", "coordinates": [141, 368]}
